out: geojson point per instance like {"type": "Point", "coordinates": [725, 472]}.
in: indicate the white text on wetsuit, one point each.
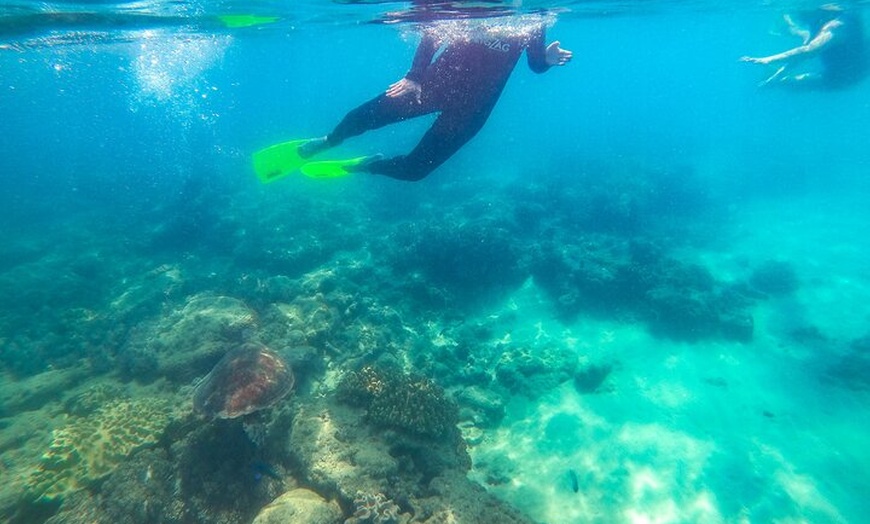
{"type": "Point", "coordinates": [493, 43]}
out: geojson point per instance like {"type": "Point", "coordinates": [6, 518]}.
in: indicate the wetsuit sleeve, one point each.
{"type": "Point", "coordinates": [537, 51]}
{"type": "Point", "coordinates": [423, 57]}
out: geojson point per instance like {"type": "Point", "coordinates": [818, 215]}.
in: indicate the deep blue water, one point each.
{"type": "Point", "coordinates": [127, 133]}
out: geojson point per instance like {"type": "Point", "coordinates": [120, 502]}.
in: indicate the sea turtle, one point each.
{"type": "Point", "coordinates": [248, 378]}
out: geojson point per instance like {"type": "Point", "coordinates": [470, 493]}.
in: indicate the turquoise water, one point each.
{"type": "Point", "coordinates": [640, 292]}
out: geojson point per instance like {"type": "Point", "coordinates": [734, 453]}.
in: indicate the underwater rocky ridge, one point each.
{"type": "Point", "coordinates": [403, 336]}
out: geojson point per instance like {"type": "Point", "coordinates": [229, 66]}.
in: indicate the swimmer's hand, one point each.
{"type": "Point", "coordinates": [405, 87]}
{"type": "Point", "coordinates": [556, 56]}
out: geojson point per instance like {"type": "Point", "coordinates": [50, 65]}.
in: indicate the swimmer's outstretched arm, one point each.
{"type": "Point", "coordinates": [804, 51]}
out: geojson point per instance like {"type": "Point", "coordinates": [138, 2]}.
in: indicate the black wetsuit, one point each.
{"type": "Point", "coordinates": [463, 84]}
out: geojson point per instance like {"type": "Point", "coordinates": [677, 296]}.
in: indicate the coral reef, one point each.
{"type": "Point", "coordinates": [682, 308]}
{"type": "Point", "coordinates": [373, 508]}
{"type": "Point", "coordinates": [97, 394]}
{"type": "Point", "coordinates": [482, 406]}
{"type": "Point", "coordinates": [532, 371]}
{"type": "Point", "coordinates": [603, 276]}
{"type": "Point", "coordinates": [775, 277]}
{"type": "Point", "coordinates": [339, 453]}
{"type": "Point", "coordinates": [852, 369]}
{"type": "Point", "coordinates": [35, 391]}
{"type": "Point", "coordinates": [299, 505]}
{"type": "Point", "coordinates": [187, 343]}
{"type": "Point", "coordinates": [591, 378]}
{"type": "Point", "coordinates": [88, 448]}
{"type": "Point", "coordinates": [217, 459]}
{"type": "Point", "coordinates": [52, 314]}
{"type": "Point", "coordinates": [468, 259]}
{"type": "Point", "coordinates": [351, 314]}
{"type": "Point", "coordinates": [141, 490]}
{"type": "Point", "coordinates": [583, 274]}
{"type": "Point", "coordinates": [453, 498]}
{"type": "Point", "coordinates": [205, 475]}
{"type": "Point", "coordinates": [405, 402]}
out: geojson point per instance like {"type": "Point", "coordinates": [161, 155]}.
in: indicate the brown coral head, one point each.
{"type": "Point", "coordinates": [248, 378]}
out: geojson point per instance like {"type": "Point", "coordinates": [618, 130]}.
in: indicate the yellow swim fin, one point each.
{"type": "Point", "coordinates": [277, 161]}
{"type": "Point", "coordinates": [238, 21]}
{"type": "Point", "coordinates": [331, 168]}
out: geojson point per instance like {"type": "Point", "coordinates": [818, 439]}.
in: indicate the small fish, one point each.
{"type": "Point", "coordinates": [575, 483]}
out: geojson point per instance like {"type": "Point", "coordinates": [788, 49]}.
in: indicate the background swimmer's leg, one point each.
{"type": "Point", "coordinates": [773, 77]}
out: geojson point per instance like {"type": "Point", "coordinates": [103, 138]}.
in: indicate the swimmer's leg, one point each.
{"type": "Point", "coordinates": [802, 82]}
{"type": "Point", "coordinates": [451, 130]}
{"type": "Point", "coordinates": [374, 114]}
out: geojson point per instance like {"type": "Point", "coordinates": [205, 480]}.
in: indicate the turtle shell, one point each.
{"type": "Point", "coordinates": [248, 378]}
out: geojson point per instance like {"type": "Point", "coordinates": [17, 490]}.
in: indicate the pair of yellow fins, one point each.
{"type": "Point", "coordinates": [277, 161]}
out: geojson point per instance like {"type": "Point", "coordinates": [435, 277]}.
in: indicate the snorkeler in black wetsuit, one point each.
{"type": "Point", "coordinates": [463, 84]}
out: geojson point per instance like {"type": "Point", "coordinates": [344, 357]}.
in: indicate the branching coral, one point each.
{"type": "Point", "coordinates": [375, 508]}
